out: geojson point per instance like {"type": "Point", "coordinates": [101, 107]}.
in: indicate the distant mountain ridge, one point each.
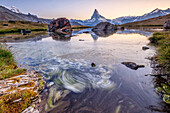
{"type": "Point", "coordinates": [155, 13]}
{"type": "Point", "coordinates": [15, 14]}
{"type": "Point", "coordinates": [158, 21]}
{"type": "Point", "coordinates": [97, 18]}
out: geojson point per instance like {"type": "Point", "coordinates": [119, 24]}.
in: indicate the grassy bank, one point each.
{"type": "Point", "coordinates": [162, 41]}
{"type": "Point", "coordinates": [16, 99]}
{"type": "Point", "coordinates": [8, 67]}
{"type": "Point", "coordinates": [17, 26]}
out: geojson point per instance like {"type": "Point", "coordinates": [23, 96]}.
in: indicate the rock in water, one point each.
{"type": "Point", "coordinates": [81, 40]}
{"type": "Point", "coordinates": [61, 26]}
{"type": "Point", "coordinates": [145, 48]}
{"type": "Point", "coordinates": [132, 65]}
{"type": "Point", "coordinates": [93, 65]}
{"type": "Point", "coordinates": [167, 25]}
{"type": "Point", "coordinates": [103, 26]}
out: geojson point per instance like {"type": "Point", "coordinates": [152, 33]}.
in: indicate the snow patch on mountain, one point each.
{"type": "Point", "coordinates": [16, 10]}
{"type": "Point", "coordinates": [155, 13]}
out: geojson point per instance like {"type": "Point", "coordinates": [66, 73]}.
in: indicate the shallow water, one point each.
{"type": "Point", "coordinates": [77, 87]}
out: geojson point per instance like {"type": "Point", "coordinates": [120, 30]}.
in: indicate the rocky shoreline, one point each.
{"type": "Point", "coordinates": [30, 81]}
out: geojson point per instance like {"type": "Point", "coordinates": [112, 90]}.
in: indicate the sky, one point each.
{"type": "Point", "coordinates": [83, 9]}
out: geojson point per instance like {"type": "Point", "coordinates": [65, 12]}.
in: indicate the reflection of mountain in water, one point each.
{"type": "Point", "coordinates": [134, 31]}
{"type": "Point", "coordinates": [76, 32]}
{"type": "Point", "coordinates": [94, 36]}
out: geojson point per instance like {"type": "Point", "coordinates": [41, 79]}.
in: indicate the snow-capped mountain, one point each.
{"type": "Point", "coordinates": [16, 15]}
{"type": "Point", "coordinates": [14, 9]}
{"type": "Point", "coordinates": [97, 18]}
{"type": "Point", "coordinates": [155, 13]}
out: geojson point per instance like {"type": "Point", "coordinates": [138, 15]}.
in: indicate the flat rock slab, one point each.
{"type": "Point", "coordinates": [27, 81]}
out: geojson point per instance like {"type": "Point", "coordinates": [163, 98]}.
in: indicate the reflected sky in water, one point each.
{"type": "Point", "coordinates": [75, 86]}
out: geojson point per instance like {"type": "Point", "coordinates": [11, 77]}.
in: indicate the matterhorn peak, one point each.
{"type": "Point", "coordinates": [95, 11]}
{"type": "Point", "coordinates": [96, 15]}
{"type": "Point", "coordinates": [14, 9]}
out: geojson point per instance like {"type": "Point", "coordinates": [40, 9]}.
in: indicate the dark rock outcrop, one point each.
{"type": "Point", "coordinates": [132, 65]}
{"type": "Point", "coordinates": [145, 48]}
{"type": "Point", "coordinates": [104, 26]}
{"type": "Point", "coordinates": [60, 26]}
{"type": "Point", "coordinates": [167, 25]}
{"type": "Point", "coordinates": [93, 64]}
{"type": "Point", "coordinates": [81, 40]}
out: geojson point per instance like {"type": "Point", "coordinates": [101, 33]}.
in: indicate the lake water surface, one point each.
{"type": "Point", "coordinates": [74, 86]}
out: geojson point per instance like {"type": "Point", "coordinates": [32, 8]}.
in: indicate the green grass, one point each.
{"type": "Point", "coordinates": [81, 27]}
{"type": "Point", "coordinates": [17, 26]}
{"type": "Point", "coordinates": [162, 41]}
{"type": "Point", "coordinates": [16, 30]}
{"type": "Point", "coordinates": [8, 67]}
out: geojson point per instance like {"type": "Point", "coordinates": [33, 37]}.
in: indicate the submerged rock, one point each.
{"type": "Point", "coordinates": [50, 84]}
{"type": "Point", "coordinates": [166, 98]}
{"type": "Point", "coordinates": [132, 65]}
{"type": "Point", "coordinates": [93, 64]}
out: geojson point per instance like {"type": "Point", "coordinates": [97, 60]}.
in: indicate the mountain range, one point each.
{"type": "Point", "coordinates": [15, 14]}
{"type": "Point", "coordinates": [157, 21]}
{"type": "Point", "coordinates": [97, 18]}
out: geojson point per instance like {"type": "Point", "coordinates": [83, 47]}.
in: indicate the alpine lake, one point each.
{"type": "Point", "coordinates": [84, 73]}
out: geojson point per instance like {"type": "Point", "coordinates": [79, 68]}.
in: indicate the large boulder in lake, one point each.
{"type": "Point", "coordinates": [104, 26]}
{"type": "Point", "coordinates": [167, 25]}
{"type": "Point", "coordinates": [60, 25]}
